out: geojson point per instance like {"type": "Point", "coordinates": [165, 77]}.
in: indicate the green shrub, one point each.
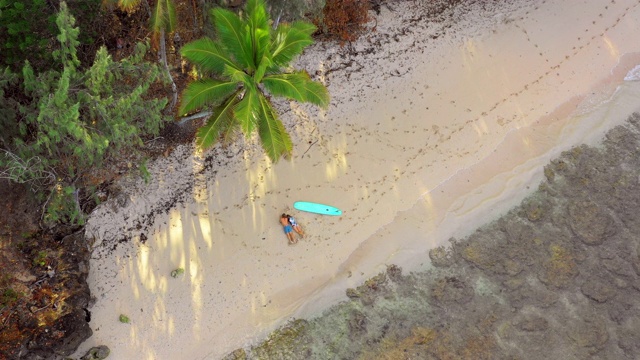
{"type": "Point", "coordinates": [61, 124]}
{"type": "Point", "coordinates": [40, 259]}
{"type": "Point", "coordinates": [26, 26]}
{"type": "Point", "coordinates": [28, 31]}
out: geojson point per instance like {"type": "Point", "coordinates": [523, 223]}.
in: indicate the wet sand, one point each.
{"type": "Point", "coordinates": [434, 129]}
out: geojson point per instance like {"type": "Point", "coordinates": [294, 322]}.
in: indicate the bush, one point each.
{"type": "Point", "coordinates": [60, 125]}
{"type": "Point", "coordinates": [345, 19]}
{"type": "Point", "coordinates": [28, 31]}
{"type": "Point", "coordinates": [26, 26]}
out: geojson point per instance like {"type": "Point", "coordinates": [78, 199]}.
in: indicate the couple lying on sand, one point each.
{"type": "Point", "coordinates": [290, 224]}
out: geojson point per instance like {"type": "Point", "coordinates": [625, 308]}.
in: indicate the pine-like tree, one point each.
{"type": "Point", "coordinates": [67, 121]}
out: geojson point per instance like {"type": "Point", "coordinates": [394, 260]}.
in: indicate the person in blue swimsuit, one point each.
{"type": "Point", "coordinates": [288, 229]}
{"type": "Point", "coordinates": [296, 227]}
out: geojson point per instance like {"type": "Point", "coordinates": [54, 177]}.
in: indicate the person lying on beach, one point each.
{"type": "Point", "coordinates": [288, 230]}
{"type": "Point", "coordinates": [295, 225]}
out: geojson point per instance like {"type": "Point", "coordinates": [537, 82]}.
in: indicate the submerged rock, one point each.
{"type": "Point", "coordinates": [97, 353]}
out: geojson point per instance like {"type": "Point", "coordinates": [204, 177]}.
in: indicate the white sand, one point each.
{"type": "Point", "coordinates": [430, 138]}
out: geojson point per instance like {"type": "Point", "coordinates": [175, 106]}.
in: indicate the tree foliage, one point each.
{"type": "Point", "coordinates": [60, 124]}
{"type": "Point", "coordinates": [25, 29]}
{"type": "Point", "coordinates": [247, 62]}
{"type": "Point", "coordinates": [28, 31]}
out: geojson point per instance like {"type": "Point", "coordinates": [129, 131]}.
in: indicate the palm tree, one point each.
{"type": "Point", "coordinates": [246, 63]}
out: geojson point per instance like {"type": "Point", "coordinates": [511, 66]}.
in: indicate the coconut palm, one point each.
{"type": "Point", "coordinates": [246, 64]}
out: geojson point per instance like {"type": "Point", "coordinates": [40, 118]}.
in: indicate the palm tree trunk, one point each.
{"type": "Point", "coordinates": [199, 115]}
{"type": "Point", "coordinates": [163, 59]}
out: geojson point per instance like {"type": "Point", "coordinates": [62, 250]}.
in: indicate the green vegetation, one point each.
{"type": "Point", "coordinates": [246, 62]}
{"type": "Point", "coordinates": [177, 272]}
{"type": "Point", "coordinates": [124, 319]}
{"type": "Point", "coordinates": [59, 125]}
{"type": "Point", "coordinates": [68, 109]}
{"type": "Point", "coordinates": [25, 29]}
{"type": "Point", "coordinates": [40, 259]}
{"type": "Point", "coordinates": [8, 295]}
{"type": "Point", "coordinates": [163, 19]}
{"type": "Point", "coordinates": [28, 31]}
{"type": "Point", "coordinates": [61, 118]}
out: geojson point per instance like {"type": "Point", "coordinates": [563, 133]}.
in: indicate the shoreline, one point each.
{"type": "Point", "coordinates": [230, 240]}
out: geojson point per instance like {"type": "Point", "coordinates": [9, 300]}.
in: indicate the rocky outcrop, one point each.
{"type": "Point", "coordinates": [50, 318]}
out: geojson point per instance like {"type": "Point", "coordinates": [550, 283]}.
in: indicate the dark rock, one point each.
{"type": "Point", "coordinates": [531, 323]}
{"type": "Point", "coordinates": [451, 290]}
{"type": "Point", "coordinates": [357, 323]}
{"type": "Point", "coordinates": [534, 209]}
{"type": "Point", "coordinates": [63, 335]}
{"type": "Point", "coordinates": [394, 272]}
{"type": "Point", "coordinates": [238, 354]}
{"type": "Point", "coordinates": [560, 267]}
{"type": "Point", "coordinates": [635, 261]}
{"type": "Point", "coordinates": [512, 268]}
{"type": "Point", "coordinates": [629, 337]}
{"type": "Point", "coordinates": [590, 335]}
{"type": "Point", "coordinates": [619, 267]}
{"type": "Point", "coordinates": [440, 257]}
{"type": "Point", "coordinates": [619, 311]}
{"type": "Point", "coordinates": [97, 353]}
{"type": "Point", "coordinates": [590, 223]}
{"type": "Point", "coordinates": [513, 284]}
{"type": "Point", "coordinates": [597, 290]}
{"type": "Point", "coordinates": [352, 293]}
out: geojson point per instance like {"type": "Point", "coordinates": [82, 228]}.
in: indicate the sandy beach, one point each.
{"type": "Point", "coordinates": [435, 127]}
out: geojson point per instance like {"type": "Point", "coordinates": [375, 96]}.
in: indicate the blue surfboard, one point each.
{"type": "Point", "coordinates": [317, 208]}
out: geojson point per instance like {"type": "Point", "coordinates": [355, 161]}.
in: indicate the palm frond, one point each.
{"type": "Point", "coordinates": [258, 20]}
{"type": "Point", "coordinates": [290, 40]}
{"type": "Point", "coordinates": [317, 93]}
{"type": "Point", "coordinates": [230, 134]}
{"type": "Point", "coordinates": [290, 86]}
{"type": "Point", "coordinates": [234, 37]}
{"type": "Point", "coordinates": [297, 86]}
{"type": "Point", "coordinates": [256, 14]}
{"type": "Point", "coordinates": [261, 44]}
{"type": "Point", "coordinates": [207, 54]}
{"type": "Point", "coordinates": [128, 5]}
{"type": "Point", "coordinates": [217, 124]}
{"type": "Point", "coordinates": [237, 75]}
{"type": "Point", "coordinates": [202, 92]}
{"type": "Point", "coordinates": [172, 18]}
{"type": "Point", "coordinates": [263, 65]}
{"type": "Point", "coordinates": [158, 17]}
{"type": "Point", "coordinates": [275, 139]}
{"type": "Point", "coordinates": [248, 110]}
